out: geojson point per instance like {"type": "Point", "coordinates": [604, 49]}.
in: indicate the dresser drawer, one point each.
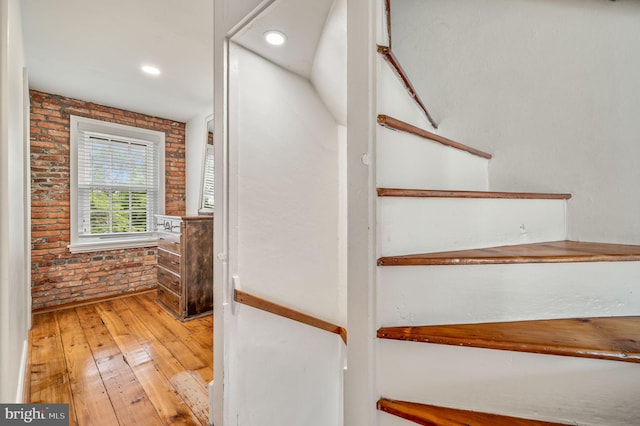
{"type": "Point", "coordinates": [169, 241]}
{"type": "Point", "coordinates": [169, 279]}
{"type": "Point", "coordinates": [169, 260]}
{"type": "Point", "coordinates": [169, 300]}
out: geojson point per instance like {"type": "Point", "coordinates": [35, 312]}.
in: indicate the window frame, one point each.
{"type": "Point", "coordinates": [82, 244]}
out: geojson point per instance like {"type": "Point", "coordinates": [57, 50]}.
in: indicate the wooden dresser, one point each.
{"type": "Point", "coordinates": [185, 265]}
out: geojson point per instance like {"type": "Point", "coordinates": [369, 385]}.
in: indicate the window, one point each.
{"type": "Point", "coordinates": [207, 187]}
{"type": "Point", "coordinates": [207, 190]}
{"type": "Point", "coordinates": [117, 185]}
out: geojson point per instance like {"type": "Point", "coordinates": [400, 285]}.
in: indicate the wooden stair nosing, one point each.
{"type": "Point", "coordinates": [548, 252]}
{"type": "Point", "coordinates": [431, 193]}
{"type": "Point", "coordinates": [402, 126]}
{"type": "Point", "coordinates": [388, 55]}
{"type": "Point", "coordinates": [609, 338]}
{"type": "Point", "coordinates": [432, 415]}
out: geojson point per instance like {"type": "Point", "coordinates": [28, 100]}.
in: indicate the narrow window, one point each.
{"type": "Point", "coordinates": [207, 188]}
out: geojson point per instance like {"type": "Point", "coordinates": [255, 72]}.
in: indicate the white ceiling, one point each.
{"type": "Point", "coordinates": [301, 21]}
{"type": "Point", "coordinates": [93, 50]}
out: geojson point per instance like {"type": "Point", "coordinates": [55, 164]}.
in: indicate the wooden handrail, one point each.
{"type": "Point", "coordinates": [402, 126]}
{"type": "Point", "coordinates": [276, 309]}
{"type": "Point", "coordinates": [386, 52]}
{"type": "Point", "coordinates": [387, 11]}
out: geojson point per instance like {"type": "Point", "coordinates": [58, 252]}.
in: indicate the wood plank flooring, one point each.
{"type": "Point", "coordinates": [122, 362]}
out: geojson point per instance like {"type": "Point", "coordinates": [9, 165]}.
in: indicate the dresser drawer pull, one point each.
{"type": "Point", "coordinates": [162, 238]}
{"type": "Point", "coordinates": [175, 302]}
{"type": "Point", "coordinates": [175, 262]}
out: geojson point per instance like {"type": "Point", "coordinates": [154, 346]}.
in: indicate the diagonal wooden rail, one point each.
{"type": "Point", "coordinates": [387, 13]}
{"type": "Point", "coordinates": [283, 311]}
{"type": "Point", "coordinates": [388, 55]}
{"type": "Point", "coordinates": [401, 126]}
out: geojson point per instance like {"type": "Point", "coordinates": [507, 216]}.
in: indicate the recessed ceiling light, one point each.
{"type": "Point", "coordinates": [151, 70]}
{"type": "Point", "coordinates": [275, 38]}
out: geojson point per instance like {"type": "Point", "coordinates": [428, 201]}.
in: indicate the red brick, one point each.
{"type": "Point", "coordinates": [57, 275]}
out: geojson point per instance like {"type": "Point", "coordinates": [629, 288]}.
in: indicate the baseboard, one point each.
{"type": "Point", "coordinates": [92, 301]}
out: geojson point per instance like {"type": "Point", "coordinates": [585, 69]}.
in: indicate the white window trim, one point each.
{"type": "Point", "coordinates": [84, 245]}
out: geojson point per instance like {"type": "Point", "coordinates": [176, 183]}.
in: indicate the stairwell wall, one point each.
{"type": "Point", "coordinates": [549, 87]}
{"type": "Point", "coordinates": [284, 197]}
{"type": "Point", "coordinates": [329, 79]}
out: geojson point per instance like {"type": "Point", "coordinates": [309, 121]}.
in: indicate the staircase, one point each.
{"type": "Point", "coordinates": [487, 315]}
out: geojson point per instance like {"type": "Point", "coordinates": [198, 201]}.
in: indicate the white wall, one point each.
{"type": "Point", "coordinates": [329, 72]}
{"type": "Point", "coordinates": [551, 88]}
{"type": "Point", "coordinates": [195, 142]}
{"type": "Point", "coordinates": [284, 198]}
{"type": "Point", "coordinates": [14, 213]}
{"type": "Point", "coordinates": [329, 78]}
{"type": "Point", "coordinates": [287, 187]}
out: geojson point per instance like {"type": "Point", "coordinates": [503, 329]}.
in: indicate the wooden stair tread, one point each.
{"type": "Point", "coordinates": [611, 338]}
{"type": "Point", "coordinates": [432, 193]}
{"type": "Point", "coordinates": [549, 252]}
{"type": "Point", "coordinates": [431, 415]}
{"type": "Point", "coordinates": [399, 125]}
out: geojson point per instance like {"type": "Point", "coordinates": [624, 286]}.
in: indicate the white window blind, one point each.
{"type": "Point", "coordinates": [117, 185]}
{"type": "Point", "coordinates": [207, 187]}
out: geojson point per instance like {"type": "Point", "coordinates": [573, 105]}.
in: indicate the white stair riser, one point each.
{"type": "Point", "coordinates": [426, 295]}
{"type": "Point", "coordinates": [415, 225]}
{"type": "Point", "coordinates": [394, 99]}
{"type": "Point", "coordinates": [546, 387]}
{"type": "Point", "coordinates": [408, 161]}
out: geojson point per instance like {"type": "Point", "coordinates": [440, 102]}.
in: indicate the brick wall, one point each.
{"type": "Point", "coordinates": [59, 277]}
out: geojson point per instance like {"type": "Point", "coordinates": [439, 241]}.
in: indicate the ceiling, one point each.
{"type": "Point", "coordinates": [93, 50]}
{"type": "Point", "coordinates": [301, 21]}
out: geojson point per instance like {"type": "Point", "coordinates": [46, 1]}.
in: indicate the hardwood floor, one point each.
{"type": "Point", "coordinates": [122, 362]}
